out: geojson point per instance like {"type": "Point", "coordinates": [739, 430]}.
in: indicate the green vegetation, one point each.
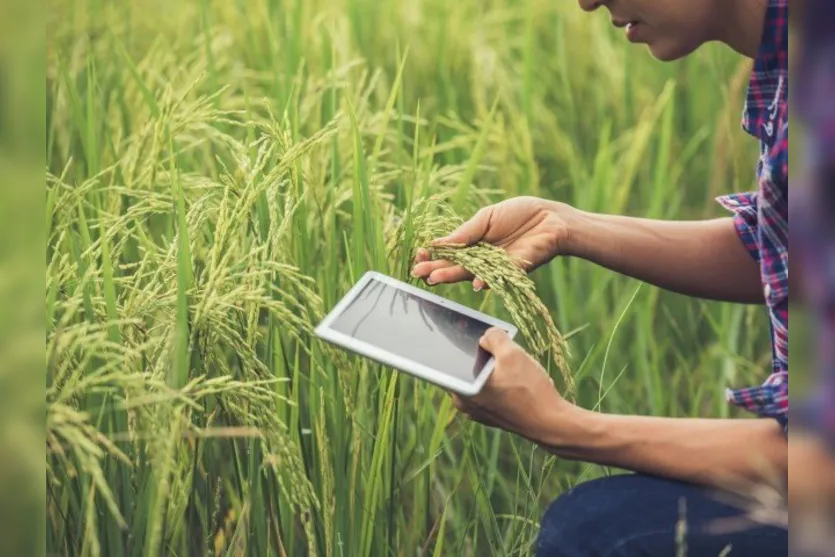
{"type": "Point", "coordinates": [220, 172]}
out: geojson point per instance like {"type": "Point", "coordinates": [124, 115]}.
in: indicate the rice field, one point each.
{"type": "Point", "coordinates": [220, 172]}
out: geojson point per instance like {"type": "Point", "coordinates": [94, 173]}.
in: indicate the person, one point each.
{"type": "Point", "coordinates": [742, 258]}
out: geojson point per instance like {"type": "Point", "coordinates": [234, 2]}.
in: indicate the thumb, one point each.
{"type": "Point", "coordinates": [496, 341]}
{"type": "Point", "coordinates": [471, 231]}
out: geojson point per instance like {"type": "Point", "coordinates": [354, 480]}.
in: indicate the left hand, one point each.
{"type": "Point", "coordinates": [519, 396]}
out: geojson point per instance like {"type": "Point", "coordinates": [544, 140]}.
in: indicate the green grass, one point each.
{"type": "Point", "coordinates": [218, 175]}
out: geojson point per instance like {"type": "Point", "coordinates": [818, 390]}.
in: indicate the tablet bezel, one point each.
{"type": "Point", "coordinates": [376, 353]}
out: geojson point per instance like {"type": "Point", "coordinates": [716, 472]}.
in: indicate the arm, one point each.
{"type": "Point", "coordinates": [700, 258]}
{"type": "Point", "coordinates": [704, 451]}
{"type": "Point", "coordinates": [521, 398]}
{"type": "Point", "coordinates": [705, 259]}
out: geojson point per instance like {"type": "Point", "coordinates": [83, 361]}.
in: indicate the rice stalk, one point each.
{"type": "Point", "coordinates": [433, 218]}
{"type": "Point", "coordinates": [508, 280]}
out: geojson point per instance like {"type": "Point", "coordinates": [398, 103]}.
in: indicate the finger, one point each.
{"type": "Point", "coordinates": [455, 273]}
{"type": "Point", "coordinates": [421, 255]}
{"type": "Point", "coordinates": [425, 268]}
{"type": "Point", "coordinates": [471, 231]}
{"type": "Point", "coordinates": [496, 341]}
{"type": "Point", "coordinates": [479, 284]}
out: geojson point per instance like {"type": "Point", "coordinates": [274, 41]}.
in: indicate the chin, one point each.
{"type": "Point", "coordinates": [669, 52]}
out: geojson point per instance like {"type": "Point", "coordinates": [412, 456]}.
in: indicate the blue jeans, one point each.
{"type": "Point", "coordinates": [636, 516]}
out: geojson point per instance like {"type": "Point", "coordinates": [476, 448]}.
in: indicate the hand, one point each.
{"type": "Point", "coordinates": [528, 228]}
{"type": "Point", "coordinates": [519, 396]}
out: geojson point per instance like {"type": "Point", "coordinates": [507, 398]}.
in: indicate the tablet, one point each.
{"type": "Point", "coordinates": [414, 331]}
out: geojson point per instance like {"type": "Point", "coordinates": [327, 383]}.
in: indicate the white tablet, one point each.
{"type": "Point", "coordinates": [414, 331]}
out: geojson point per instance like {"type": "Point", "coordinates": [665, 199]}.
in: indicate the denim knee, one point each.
{"type": "Point", "coordinates": [555, 537]}
{"type": "Point", "coordinates": [633, 514]}
{"type": "Point", "coordinates": [565, 526]}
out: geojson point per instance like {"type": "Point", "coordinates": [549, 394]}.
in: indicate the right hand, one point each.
{"type": "Point", "coordinates": [530, 229]}
{"type": "Point", "coordinates": [519, 396]}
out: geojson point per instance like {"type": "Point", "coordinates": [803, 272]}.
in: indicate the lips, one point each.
{"type": "Point", "coordinates": [631, 27]}
{"type": "Point", "coordinates": [624, 22]}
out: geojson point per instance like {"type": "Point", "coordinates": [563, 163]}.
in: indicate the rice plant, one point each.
{"type": "Point", "coordinates": [220, 173]}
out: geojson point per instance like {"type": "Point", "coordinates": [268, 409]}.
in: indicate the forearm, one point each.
{"type": "Point", "coordinates": [710, 452]}
{"type": "Point", "coordinates": [704, 259]}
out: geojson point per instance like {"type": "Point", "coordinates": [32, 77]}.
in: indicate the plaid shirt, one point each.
{"type": "Point", "coordinates": [815, 203]}
{"type": "Point", "coordinates": [813, 239]}
{"type": "Point", "coordinates": [761, 217]}
{"type": "Point", "coordinates": [816, 74]}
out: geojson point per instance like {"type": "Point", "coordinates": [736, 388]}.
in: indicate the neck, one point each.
{"type": "Point", "coordinates": [741, 24]}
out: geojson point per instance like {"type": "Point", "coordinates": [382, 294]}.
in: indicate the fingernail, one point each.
{"type": "Point", "coordinates": [430, 280]}
{"type": "Point", "coordinates": [415, 273]}
{"type": "Point", "coordinates": [477, 286]}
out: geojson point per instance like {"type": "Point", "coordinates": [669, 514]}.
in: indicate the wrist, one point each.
{"type": "Point", "coordinates": [572, 432]}
{"type": "Point", "coordinates": [573, 220]}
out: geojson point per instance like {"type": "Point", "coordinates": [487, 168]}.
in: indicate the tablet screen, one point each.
{"type": "Point", "coordinates": [412, 327]}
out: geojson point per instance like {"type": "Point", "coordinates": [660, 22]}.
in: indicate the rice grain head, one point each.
{"type": "Point", "coordinates": [433, 218]}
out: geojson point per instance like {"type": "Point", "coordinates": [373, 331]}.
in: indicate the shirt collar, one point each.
{"type": "Point", "coordinates": [769, 83]}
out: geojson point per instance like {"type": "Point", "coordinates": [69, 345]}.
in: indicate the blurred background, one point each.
{"type": "Point", "coordinates": [218, 173]}
{"type": "Point", "coordinates": [22, 239]}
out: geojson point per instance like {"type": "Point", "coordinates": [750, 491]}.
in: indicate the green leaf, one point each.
{"type": "Point", "coordinates": [466, 180]}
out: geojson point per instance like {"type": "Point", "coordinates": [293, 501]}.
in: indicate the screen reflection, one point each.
{"type": "Point", "coordinates": [416, 329]}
